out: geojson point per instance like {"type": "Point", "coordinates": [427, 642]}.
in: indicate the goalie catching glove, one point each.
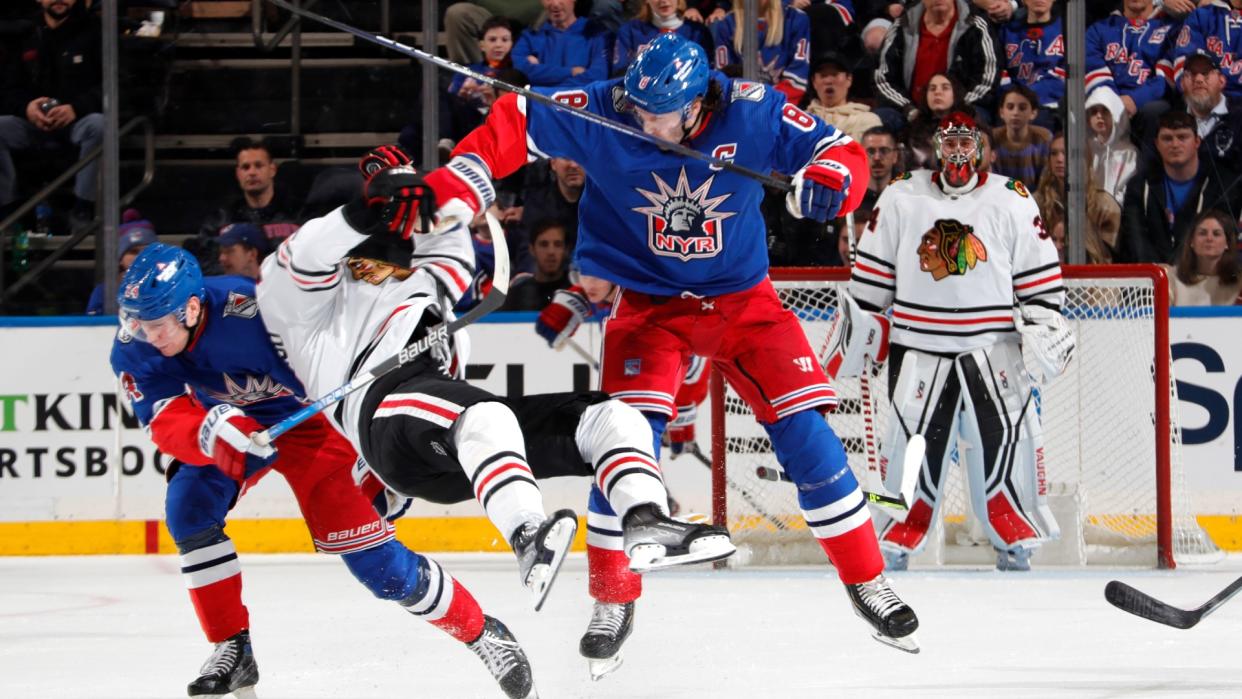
{"type": "Point", "coordinates": [819, 191]}
{"type": "Point", "coordinates": [224, 438]}
{"type": "Point", "coordinates": [1047, 341]}
{"type": "Point", "coordinates": [562, 317]}
{"type": "Point", "coordinates": [855, 335]}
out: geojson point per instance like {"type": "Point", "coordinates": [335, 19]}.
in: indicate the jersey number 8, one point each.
{"type": "Point", "coordinates": [797, 118]}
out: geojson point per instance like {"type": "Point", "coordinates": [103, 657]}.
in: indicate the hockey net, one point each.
{"type": "Point", "coordinates": [1111, 438]}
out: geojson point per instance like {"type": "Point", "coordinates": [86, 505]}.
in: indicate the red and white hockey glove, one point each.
{"type": "Point", "coordinates": [560, 318]}
{"type": "Point", "coordinates": [388, 503]}
{"type": "Point", "coordinates": [380, 158]}
{"type": "Point", "coordinates": [224, 437]}
{"type": "Point", "coordinates": [820, 190]}
{"type": "Point", "coordinates": [463, 188]}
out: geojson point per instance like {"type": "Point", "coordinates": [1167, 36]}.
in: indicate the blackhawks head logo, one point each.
{"type": "Point", "coordinates": [683, 222]}
{"type": "Point", "coordinates": [950, 247]}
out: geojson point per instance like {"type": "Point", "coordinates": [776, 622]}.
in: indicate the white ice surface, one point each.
{"type": "Point", "coordinates": [122, 626]}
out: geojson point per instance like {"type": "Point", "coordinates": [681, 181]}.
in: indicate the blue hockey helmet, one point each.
{"type": "Point", "coordinates": [668, 76]}
{"type": "Point", "coordinates": [159, 282]}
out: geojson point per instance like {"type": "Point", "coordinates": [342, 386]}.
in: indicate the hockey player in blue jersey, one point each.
{"type": "Point", "coordinates": [201, 374]}
{"type": "Point", "coordinates": [684, 242]}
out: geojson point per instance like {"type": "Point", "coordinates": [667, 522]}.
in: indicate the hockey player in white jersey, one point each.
{"type": "Point", "coordinates": [422, 430]}
{"type": "Point", "coordinates": [971, 274]}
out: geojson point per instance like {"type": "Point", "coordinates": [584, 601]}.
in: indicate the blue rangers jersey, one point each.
{"type": "Point", "coordinates": [582, 44]}
{"type": "Point", "coordinates": [1133, 57]}
{"type": "Point", "coordinates": [786, 64]}
{"type": "Point", "coordinates": [1035, 57]}
{"type": "Point", "coordinates": [1216, 30]}
{"type": "Point", "coordinates": [654, 221]}
{"type": "Point", "coordinates": [230, 359]}
{"type": "Point", "coordinates": [634, 35]}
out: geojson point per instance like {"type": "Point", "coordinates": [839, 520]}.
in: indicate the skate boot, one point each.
{"type": "Point", "coordinates": [230, 670]}
{"type": "Point", "coordinates": [895, 560]}
{"type": "Point", "coordinates": [504, 658]}
{"type": "Point", "coordinates": [1018, 559]}
{"type": "Point", "coordinates": [893, 620]}
{"type": "Point", "coordinates": [654, 540]}
{"type": "Point", "coordinates": [610, 625]}
{"type": "Point", "coordinates": [541, 550]}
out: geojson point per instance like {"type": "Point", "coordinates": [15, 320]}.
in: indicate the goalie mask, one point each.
{"type": "Point", "coordinates": [959, 150]}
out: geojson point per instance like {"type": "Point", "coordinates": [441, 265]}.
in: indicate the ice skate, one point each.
{"type": "Point", "coordinates": [610, 625]}
{"type": "Point", "coordinates": [541, 550]}
{"type": "Point", "coordinates": [893, 620]}
{"type": "Point", "coordinates": [654, 540]}
{"type": "Point", "coordinates": [1018, 559]}
{"type": "Point", "coordinates": [505, 659]}
{"type": "Point", "coordinates": [230, 669]}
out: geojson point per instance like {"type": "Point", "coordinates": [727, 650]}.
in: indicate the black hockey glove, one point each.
{"type": "Point", "coordinates": [395, 200]}
{"type": "Point", "coordinates": [381, 157]}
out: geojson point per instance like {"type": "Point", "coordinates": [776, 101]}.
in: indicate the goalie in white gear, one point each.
{"type": "Point", "coordinates": [971, 274]}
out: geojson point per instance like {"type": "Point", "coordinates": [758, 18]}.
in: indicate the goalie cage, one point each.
{"type": "Point", "coordinates": [1111, 439]}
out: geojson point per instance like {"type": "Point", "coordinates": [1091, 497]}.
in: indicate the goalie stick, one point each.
{"type": "Point", "coordinates": [438, 333]}
{"type": "Point", "coordinates": [1128, 599]}
{"type": "Point", "coordinates": [425, 57]}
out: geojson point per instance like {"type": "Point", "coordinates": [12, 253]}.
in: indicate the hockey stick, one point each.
{"type": "Point", "coordinates": [693, 449]}
{"type": "Point", "coordinates": [1128, 599]}
{"type": "Point", "coordinates": [425, 57]}
{"type": "Point", "coordinates": [581, 352]}
{"type": "Point", "coordinates": [440, 333]}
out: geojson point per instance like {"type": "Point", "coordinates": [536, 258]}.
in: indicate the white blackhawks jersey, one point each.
{"type": "Point", "coordinates": [952, 268]}
{"type": "Point", "coordinates": [336, 316]}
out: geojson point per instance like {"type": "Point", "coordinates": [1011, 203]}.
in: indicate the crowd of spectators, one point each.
{"type": "Point", "coordinates": [1164, 142]}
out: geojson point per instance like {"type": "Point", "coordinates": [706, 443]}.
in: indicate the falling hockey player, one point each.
{"type": "Point", "coordinates": [950, 251]}
{"type": "Point", "coordinates": [421, 429]}
{"type": "Point", "coordinates": [685, 242]}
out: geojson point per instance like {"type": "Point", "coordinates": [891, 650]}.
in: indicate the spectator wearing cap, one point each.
{"type": "Point", "coordinates": [1218, 119]}
{"type": "Point", "coordinates": [935, 36]}
{"type": "Point", "coordinates": [564, 50]}
{"type": "Point", "coordinates": [1034, 48]}
{"type": "Point", "coordinates": [134, 234]}
{"type": "Point", "coordinates": [655, 17]}
{"type": "Point", "coordinates": [1214, 28]}
{"type": "Point", "coordinates": [259, 202]}
{"type": "Point", "coordinates": [242, 249]}
{"type": "Point", "coordinates": [831, 79]}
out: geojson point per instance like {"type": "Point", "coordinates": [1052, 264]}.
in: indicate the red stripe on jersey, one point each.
{"type": "Point", "coordinates": [953, 321]}
{"type": "Point", "coordinates": [873, 270]}
{"type": "Point", "coordinates": [461, 283]}
{"type": "Point", "coordinates": [1050, 278]}
{"type": "Point", "coordinates": [421, 405]}
{"type": "Point", "coordinates": [511, 466]}
{"type": "Point", "coordinates": [384, 326]}
{"type": "Point", "coordinates": [282, 255]}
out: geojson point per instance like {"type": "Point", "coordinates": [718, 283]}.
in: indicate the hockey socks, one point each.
{"type": "Point", "coordinates": [828, 494]}
{"type": "Point", "coordinates": [213, 576]}
{"type": "Point", "coordinates": [492, 452]}
{"type": "Point", "coordinates": [610, 577]}
{"type": "Point", "coordinates": [615, 439]}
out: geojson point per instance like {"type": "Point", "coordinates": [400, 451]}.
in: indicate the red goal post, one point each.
{"type": "Point", "coordinates": [1129, 497]}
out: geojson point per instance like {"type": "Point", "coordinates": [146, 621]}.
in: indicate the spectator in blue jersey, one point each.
{"type": "Point", "coordinates": [548, 247]}
{"type": "Point", "coordinates": [1218, 118]}
{"type": "Point", "coordinates": [655, 17]}
{"type": "Point", "coordinates": [242, 249]}
{"type": "Point", "coordinates": [565, 50]}
{"type": "Point", "coordinates": [52, 94]}
{"type": "Point", "coordinates": [552, 192]}
{"type": "Point", "coordinates": [831, 79]}
{"type": "Point", "coordinates": [1129, 53]}
{"type": "Point", "coordinates": [134, 234]}
{"type": "Point", "coordinates": [935, 36]}
{"type": "Point", "coordinates": [1021, 146]}
{"type": "Point", "coordinates": [784, 36]}
{"type": "Point", "coordinates": [468, 99]}
{"type": "Point", "coordinates": [1035, 57]}
{"type": "Point", "coordinates": [1160, 206]}
{"type": "Point", "coordinates": [1216, 29]}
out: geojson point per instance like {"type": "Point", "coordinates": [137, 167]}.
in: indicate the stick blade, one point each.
{"type": "Point", "coordinates": [1128, 599]}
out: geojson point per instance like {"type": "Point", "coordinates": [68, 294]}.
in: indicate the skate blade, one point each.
{"type": "Point", "coordinates": [909, 644]}
{"type": "Point", "coordinates": [649, 557]}
{"type": "Point", "coordinates": [559, 539]}
{"type": "Point", "coordinates": [600, 667]}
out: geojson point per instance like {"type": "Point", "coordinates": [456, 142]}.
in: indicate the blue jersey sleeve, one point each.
{"type": "Point", "coordinates": [145, 386]}
{"type": "Point", "coordinates": [554, 133]}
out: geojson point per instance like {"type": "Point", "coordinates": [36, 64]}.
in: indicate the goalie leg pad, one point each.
{"type": "Point", "coordinates": [828, 494]}
{"type": "Point", "coordinates": [855, 336]}
{"type": "Point", "coordinates": [926, 394]}
{"type": "Point", "coordinates": [1005, 466]}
